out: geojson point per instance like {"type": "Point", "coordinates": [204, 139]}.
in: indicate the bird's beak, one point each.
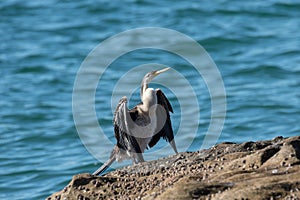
{"type": "Point", "coordinates": [161, 71]}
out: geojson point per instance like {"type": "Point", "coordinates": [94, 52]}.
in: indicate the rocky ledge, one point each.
{"type": "Point", "coordinates": [251, 170]}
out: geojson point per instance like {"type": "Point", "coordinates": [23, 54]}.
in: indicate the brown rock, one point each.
{"type": "Point", "coordinates": [251, 170]}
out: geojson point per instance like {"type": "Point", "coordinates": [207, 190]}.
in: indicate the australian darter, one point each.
{"type": "Point", "coordinates": [142, 126]}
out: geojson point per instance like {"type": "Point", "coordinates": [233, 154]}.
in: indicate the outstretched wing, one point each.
{"type": "Point", "coordinates": [166, 132]}
{"type": "Point", "coordinates": [123, 119]}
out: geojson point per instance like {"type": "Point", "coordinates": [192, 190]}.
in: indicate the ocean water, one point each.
{"type": "Point", "coordinates": [255, 44]}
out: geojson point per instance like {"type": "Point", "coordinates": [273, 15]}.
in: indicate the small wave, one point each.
{"type": "Point", "coordinates": [265, 13]}
{"type": "Point", "coordinates": [288, 5]}
{"type": "Point", "coordinates": [32, 69]}
{"type": "Point", "coordinates": [221, 41]}
{"type": "Point", "coordinates": [271, 70]}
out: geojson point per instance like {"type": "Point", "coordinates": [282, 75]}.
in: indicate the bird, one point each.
{"type": "Point", "coordinates": [142, 126]}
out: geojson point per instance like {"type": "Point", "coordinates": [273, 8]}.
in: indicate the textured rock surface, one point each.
{"type": "Point", "coordinates": [251, 170]}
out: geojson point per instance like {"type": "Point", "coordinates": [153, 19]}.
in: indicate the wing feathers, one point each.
{"type": "Point", "coordinates": [122, 125]}
{"type": "Point", "coordinates": [166, 132]}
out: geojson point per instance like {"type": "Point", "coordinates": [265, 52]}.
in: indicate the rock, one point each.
{"type": "Point", "coordinates": [251, 170]}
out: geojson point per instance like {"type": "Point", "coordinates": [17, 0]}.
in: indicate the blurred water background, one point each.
{"type": "Point", "coordinates": [255, 44]}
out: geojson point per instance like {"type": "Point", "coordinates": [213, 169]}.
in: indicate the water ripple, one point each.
{"type": "Point", "coordinates": [255, 45]}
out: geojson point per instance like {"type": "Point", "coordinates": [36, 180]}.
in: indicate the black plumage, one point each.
{"type": "Point", "coordinates": [142, 126]}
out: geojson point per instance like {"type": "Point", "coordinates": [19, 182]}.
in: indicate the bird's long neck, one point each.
{"type": "Point", "coordinates": [149, 100]}
{"type": "Point", "coordinates": [143, 89]}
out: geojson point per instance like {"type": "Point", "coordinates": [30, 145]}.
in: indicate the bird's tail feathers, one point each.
{"type": "Point", "coordinates": [105, 165]}
{"type": "Point", "coordinates": [172, 142]}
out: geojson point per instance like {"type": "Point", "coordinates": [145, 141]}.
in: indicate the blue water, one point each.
{"type": "Point", "coordinates": [255, 44]}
